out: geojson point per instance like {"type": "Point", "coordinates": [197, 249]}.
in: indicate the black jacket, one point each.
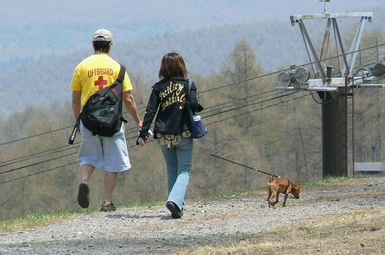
{"type": "Point", "coordinates": [167, 103]}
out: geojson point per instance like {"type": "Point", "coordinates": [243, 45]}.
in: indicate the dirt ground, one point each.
{"type": "Point", "coordinates": [150, 230]}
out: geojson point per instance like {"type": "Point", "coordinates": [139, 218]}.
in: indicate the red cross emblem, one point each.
{"type": "Point", "coordinates": [100, 82]}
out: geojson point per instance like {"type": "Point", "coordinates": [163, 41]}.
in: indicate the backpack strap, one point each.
{"type": "Point", "coordinates": [120, 79]}
{"type": "Point", "coordinates": [121, 73]}
{"type": "Point", "coordinates": [74, 131]}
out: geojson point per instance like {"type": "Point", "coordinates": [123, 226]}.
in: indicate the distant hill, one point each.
{"type": "Point", "coordinates": [41, 51]}
{"type": "Point", "coordinates": [47, 80]}
{"type": "Point", "coordinates": [32, 29]}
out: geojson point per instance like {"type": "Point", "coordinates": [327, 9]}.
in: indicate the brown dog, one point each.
{"type": "Point", "coordinates": [278, 185]}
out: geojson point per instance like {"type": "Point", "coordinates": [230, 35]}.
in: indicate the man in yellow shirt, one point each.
{"type": "Point", "coordinates": [109, 153]}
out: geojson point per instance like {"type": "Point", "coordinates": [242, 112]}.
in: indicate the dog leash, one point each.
{"type": "Point", "coordinates": [228, 160]}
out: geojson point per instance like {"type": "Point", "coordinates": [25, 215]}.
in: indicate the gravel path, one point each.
{"type": "Point", "coordinates": [151, 230]}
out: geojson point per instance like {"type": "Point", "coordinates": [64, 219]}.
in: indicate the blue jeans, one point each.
{"type": "Point", "coordinates": [179, 161]}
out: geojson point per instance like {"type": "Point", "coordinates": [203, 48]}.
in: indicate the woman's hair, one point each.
{"type": "Point", "coordinates": [172, 66]}
{"type": "Point", "coordinates": [102, 46]}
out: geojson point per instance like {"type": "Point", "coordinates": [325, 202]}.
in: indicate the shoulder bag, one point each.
{"type": "Point", "coordinates": [198, 128]}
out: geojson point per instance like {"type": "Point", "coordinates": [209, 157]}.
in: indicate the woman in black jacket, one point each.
{"type": "Point", "coordinates": [172, 126]}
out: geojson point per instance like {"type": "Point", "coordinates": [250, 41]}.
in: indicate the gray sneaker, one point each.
{"type": "Point", "coordinates": [107, 207]}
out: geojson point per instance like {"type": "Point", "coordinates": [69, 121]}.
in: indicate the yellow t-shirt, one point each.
{"type": "Point", "coordinates": [94, 73]}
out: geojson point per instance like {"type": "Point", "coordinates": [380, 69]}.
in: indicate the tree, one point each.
{"type": "Point", "coordinates": [241, 70]}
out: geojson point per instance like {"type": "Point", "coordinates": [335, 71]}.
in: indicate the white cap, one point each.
{"type": "Point", "coordinates": [102, 35]}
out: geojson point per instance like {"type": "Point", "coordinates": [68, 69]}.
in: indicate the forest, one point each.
{"type": "Point", "coordinates": [38, 68]}
{"type": "Point", "coordinates": [248, 119]}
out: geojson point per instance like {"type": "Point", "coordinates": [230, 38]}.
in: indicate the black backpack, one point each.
{"type": "Point", "coordinates": [102, 114]}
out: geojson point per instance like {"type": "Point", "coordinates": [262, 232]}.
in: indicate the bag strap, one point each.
{"type": "Point", "coordinates": [74, 131]}
{"type": "Point", "coordinates": [189, 89]}
{"type": "Point", "coordinates": [188, 106]}
{"type": "Point", "coordinates": [122, 71]}
{"type": "Point", "coordinates": [189, 85]}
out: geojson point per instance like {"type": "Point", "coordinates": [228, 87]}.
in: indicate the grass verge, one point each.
{"type": "Point", "coordinates": [37, 220]}
{"type": "Point", "coordinates": [44, 219]}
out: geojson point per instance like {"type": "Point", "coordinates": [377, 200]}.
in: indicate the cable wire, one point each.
{"type": "Point", "coordinates": [207, 116]}
{"type": "Point", "coordinates": [205, 91]}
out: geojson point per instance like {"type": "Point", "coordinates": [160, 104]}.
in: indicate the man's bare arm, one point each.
{"type": "Point", "coordinates": [130, 105]}
{"type": "Point", "coordinates": [76, 104]}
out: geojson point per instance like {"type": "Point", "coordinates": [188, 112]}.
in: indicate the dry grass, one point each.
{"type": "Point", "coordinates": [362, 232]}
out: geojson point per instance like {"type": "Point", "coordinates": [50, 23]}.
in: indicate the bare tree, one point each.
{"type": "Point", "coordinates": [240, 69]}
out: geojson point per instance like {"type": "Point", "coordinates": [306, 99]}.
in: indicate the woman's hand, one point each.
{"type": "Point", "coordinates": [142, 141]}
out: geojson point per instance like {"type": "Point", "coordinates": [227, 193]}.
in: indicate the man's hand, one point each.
{"type": "Point", "coordinates": [139, 124]}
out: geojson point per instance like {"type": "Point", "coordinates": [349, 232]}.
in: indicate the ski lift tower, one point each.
{"type": "Point", "coordinates": [333, 90]}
